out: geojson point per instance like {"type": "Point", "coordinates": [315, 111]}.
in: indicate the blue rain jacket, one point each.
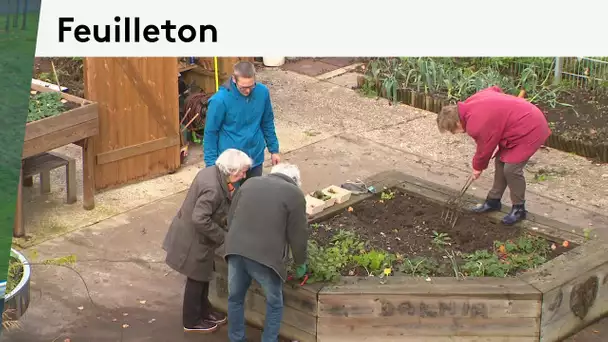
{"type": "Point", "coordinates": [242, 122]}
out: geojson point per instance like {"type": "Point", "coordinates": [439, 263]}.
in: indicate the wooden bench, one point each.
{"type": "Point", "coordinates": [43, 164]}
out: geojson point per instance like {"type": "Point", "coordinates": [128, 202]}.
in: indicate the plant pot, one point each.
{"type": "Point", "coordinates": [273, 61]}
{"type": "Point", "coordinates": [314, 205]}
{"type": "Point", "coordinates": [18, 300]}
{"type": "Point", "coordinates": [326, 203]}
{"type": "Point", "coordinates": [341, 195]}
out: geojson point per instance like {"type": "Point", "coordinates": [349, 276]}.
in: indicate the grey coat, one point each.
{"type": "Point", "coordinates": [199, 226]}
{"type": "Point", "coordinates": [267, 216]}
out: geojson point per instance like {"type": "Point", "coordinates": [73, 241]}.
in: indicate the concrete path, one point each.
{"type": "Point", "coordinates": [333, 134]}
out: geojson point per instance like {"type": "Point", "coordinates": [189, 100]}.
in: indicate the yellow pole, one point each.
{"type": "Point", "coordinates": [217, 75]}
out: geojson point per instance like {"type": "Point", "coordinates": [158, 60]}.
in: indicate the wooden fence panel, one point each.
{"type": "Point", "coordinates": [138, 117]}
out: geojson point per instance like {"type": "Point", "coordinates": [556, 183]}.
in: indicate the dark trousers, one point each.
{"type": "Point", "coordinates": [511, 175]}
{"type": "Point", "coordinates": [196, 302]}
{"type": "Point", "coordinates": [253, 172]}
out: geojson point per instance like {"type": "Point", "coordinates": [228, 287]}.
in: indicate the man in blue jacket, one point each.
{"type": "Point", "coordinates": [240, 116]}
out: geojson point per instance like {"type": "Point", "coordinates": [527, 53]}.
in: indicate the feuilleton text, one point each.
{"type": "Point", "coordinates": [131, 30]}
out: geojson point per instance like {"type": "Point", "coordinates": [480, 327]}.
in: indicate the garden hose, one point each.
{"type": "Point", "coordinates": [196, 111]}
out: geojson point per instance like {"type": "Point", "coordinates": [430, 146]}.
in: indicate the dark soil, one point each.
{"type": "Point", "coordinates": [586, 120]}
{"type": "Point", "coordinates": [69, 71]}
{"type": "Point", "coordinates": [406, 224]}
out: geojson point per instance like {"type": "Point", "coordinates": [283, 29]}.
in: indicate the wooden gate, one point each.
{"type": "Point", "coordinates": [138, 118]}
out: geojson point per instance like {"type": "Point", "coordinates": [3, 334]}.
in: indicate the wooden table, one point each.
{"type": "Point", "coordinates": [76, 126]}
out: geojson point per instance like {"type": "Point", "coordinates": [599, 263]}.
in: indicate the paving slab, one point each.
{"type": "Point", "coordinates": [340, 62]}
{"type": "Point", "coordinates": [310, 67]}
{"type": "Point", "coordinates": [347, 80]}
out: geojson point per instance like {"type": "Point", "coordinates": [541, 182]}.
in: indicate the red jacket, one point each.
{"type": "Point", "coordinates": [494, 119]}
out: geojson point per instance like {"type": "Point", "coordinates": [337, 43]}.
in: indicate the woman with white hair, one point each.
{"type": "Point", "coordinates": [197, 230]}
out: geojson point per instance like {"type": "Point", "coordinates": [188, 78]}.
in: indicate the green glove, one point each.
{"type": "Point", "coordinates": [301, 271]}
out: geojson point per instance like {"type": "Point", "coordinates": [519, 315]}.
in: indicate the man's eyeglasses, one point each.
{"type": "Point", "coordinates": [245, 88]}
{"type": "Point", "coordinates": [240, 87]}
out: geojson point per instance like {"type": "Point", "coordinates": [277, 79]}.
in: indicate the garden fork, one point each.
{"type": "Point", "coordinates": [450, 214]}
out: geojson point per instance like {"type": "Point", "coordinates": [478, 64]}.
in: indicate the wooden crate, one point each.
{"type": "Point", "coordinates": [63, 129]}
{"type": "Point", "coordinates": [543, 305]}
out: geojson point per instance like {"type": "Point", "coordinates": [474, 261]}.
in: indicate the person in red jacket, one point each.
{"type": "Point", "coordinates": [498, 120]}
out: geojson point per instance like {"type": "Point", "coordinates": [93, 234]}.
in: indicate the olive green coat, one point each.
{"type": "Point", "coordinates": [199, 226]}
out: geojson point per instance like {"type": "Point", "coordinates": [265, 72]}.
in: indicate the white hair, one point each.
{"type": "Point", "coordinates": [233, 161]}
{"type": "Point", "coordinates": [288, 170]}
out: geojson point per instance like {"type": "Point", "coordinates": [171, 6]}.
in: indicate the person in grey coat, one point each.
{"type": "Point", "coordinates": [198, 230]}
{"type": "Point", "coordinates": [267, 217]}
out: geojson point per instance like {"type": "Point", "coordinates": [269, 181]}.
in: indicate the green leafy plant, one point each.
{"type": "Point", "coordinates": [46, 77]}
{"type": "Point", "coordinates": [320, 195]}
{"type": "Point", "coordinates": [326, 262]}
{"type": "Point", "coordinates": [43, 105]}
{"type": "Point", "coordinates": [587, 233]}
{"type": "Point", "coordinates": [419, 266]}
{"type": "Point", "coordinates": [387, 195]}
{"type": "Point", "coordinates": [374, 261]}
{"type": "Point", "coordinates": [441, 239]}
{"type": "Point", "coordinates": [459, 78]}
{"type": "Point", "coordinates": [483, 263]}
{"type": "Point", "coordinates": [508, 258]}
{"type": "Point", "coordinates": [15, 273]}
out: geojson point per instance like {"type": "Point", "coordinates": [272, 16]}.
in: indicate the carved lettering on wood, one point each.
{"type": "Point", "coordinates": [430, 310]}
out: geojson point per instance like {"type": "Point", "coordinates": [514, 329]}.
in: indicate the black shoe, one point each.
{"type": "Point", "coordinates": [202, 327]}
{"type": "Point", "coordinates": [488, 206]}
{"type": "Point", "coordinates": [518, 213]}
{"type": "Point", "coordinates": [216, 318]}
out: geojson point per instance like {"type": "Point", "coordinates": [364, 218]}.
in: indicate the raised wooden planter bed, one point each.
{"type": "Point", "coordinates": [546, 304]}
{"type": "Point", "coordinates": [66, 128]}
{"type": "Point", "coordinates": [598, 152]}
{"type": "Point", "coordinates": [411, 97]}
{"type": "Point", "coordinates": [434, 104]}
{"type": "Point", "coordinates": [75, 126]}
